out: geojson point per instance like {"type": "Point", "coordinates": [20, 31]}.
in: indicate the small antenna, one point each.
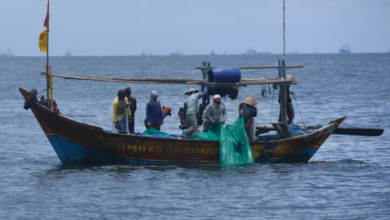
{"type": "Point", "coordinates": [284, 30]}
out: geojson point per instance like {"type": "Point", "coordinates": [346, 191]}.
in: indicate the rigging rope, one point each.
{"type": "Point", "coordinates": [303, 121]}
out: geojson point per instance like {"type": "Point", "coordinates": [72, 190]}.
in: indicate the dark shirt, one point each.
{"type": "Point", "coordinates": [154, 113]}
{"type": "Point", "coordinates": [133, 106]}
{"type": "Point", "coordinates": [248, 111]}
{"type": "Point", "coordinates": [288, 95]}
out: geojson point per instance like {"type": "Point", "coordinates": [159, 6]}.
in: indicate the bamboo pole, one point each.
{"type": "Point", "coordinates": [51, 87]}
{"type": "Point", "coordinates": [243, 82]}
{"type": "Point", "coordinates": [128, 80]}
{"type": "Point", "coordinates": [47, 62]}
{"type": "Point", "coordinates": [253, 67]}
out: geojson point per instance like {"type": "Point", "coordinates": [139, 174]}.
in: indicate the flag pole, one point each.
{"type": "Point", "coordinates": [47, 58]}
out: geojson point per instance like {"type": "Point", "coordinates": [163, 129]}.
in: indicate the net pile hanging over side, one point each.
{"type": "Point", "coordinates": [234, 147]}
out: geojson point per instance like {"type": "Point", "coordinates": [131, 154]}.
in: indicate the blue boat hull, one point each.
{"type": "Point", "coordinates": [71, 153]}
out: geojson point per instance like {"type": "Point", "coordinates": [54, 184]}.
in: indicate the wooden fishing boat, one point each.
{"type": "Point", "coordinates": [80, 143]}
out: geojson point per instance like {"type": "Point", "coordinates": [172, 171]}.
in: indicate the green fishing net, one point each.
{"type": "Point", "coordinates": [213, 134]}
{"type": "Point", "coordinates": [151, 131]}
{"type": "Point", "coordinates": [234, 147]}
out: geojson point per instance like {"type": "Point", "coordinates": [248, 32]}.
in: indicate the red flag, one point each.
{"type": "Point", "coordinates": [46, 24]}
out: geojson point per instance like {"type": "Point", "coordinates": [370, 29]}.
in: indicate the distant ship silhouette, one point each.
{"type": "Point", "coordinates": [8, 53]}
{"type": "Point", "coordinates": [251, 51]}
{"type": "Point", "coordinates": [345, 49]}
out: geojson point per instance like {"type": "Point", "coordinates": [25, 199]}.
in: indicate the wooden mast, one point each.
{"type": "Point", "coordinates": [283, 86]}
{"type": "Point", "coordinates": [204, 78]}
{"type": "Point", "coordinates": [284, 30]}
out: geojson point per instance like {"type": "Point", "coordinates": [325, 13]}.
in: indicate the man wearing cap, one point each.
{"type": "Point", "coordinates": [248, 110]}
{"type": "Point", "coordinates": [154, 114]}
{"type": "Point", "coordinates": [121, 112]}
{"type": "Point", "coordinates": [133, 108]}
{"type": "Point", "coordinates": [191, 109]}
{"type": "Point", "coordinates": [214, 113]}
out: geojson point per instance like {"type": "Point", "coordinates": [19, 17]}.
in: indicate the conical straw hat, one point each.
{"type": "Point", "coordinates": [251, 101]}
{"type": "Point", "coordinates": [191, 90]}
{"type": "Point", "coordinates": [291, 77]}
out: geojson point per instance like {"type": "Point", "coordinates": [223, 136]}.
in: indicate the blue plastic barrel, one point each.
{"type": "Point", "coordinates": [225, 74]}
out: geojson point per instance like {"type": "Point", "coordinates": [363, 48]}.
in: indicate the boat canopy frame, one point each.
{"type": "Point", "coordinates": [204, 69]}
{"type": "Point", "coordinates": [283, 80]}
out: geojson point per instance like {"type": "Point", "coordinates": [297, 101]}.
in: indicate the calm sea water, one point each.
{"type": "Point", "coordinates": [348, 178]}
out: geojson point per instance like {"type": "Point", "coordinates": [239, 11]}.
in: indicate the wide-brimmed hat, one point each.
{"type": "Point", "coordinates": [291, 77]}
{"type": "Point", "coordinates": [191, 90]}
{"type": "Point", "coordinates": [251, 101]}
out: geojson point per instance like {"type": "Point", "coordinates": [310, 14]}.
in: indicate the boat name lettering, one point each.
{"type": "Point", "coordinates": [195, 150]}
{"type": "Point", "coordinates": [134, 148]}
{"type": "Point", "coordinates": [268, 150]}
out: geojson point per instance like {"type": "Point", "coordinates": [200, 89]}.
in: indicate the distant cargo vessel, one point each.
{"type": "Point", "coordinates": [251, 51]}
{"type": "Point", "coordinates": [68, 53]}
{"type": "Point", "coordinates": [9, 53]}
{"type": "Point", "coordinates": [345, 50]}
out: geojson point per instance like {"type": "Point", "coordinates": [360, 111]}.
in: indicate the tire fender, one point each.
{"type": "Point", "coordinates": [30, 101]}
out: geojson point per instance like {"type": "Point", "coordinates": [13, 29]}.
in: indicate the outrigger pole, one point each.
{"type": "Point", "coordinates": [251, 67]}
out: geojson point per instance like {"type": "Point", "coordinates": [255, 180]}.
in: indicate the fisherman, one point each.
{"type": "Point", "coordinates": [289, 106]}
{"type": "Point", "coordinates": [133, 108]}
{"type": "Point", "coordinates": [180, 114]}
{"type": "Point", "coordinates": [154, 113]}
{"type": "Point", "coordinates": [214, 113]}
{"type": "Point", "coordinates": [55, 109]}
{"type": "Point", "coordinates": [191, 109]}
{"type": "Point", "coordinates": [166, 111]}
{"type": "Point", "coordinates": [248, 110]}
{"type": "Point", "coordinates": [121, 112]}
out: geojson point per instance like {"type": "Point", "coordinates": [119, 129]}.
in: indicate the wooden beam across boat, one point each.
{"type": "Point", "coordinates": [243, 82]}
{"type": "Point", "coordinates": [251, 67]}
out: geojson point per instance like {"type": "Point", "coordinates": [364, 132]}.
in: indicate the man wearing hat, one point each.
{"type": "Point", "coordinates": [133, 108]}
{"type": "Point", "coordinates": [214, 113]}
{"type": "Point", "coordinates": [191, 109]}
{"type": "Point", "coordinates": [154, 114]}
{"type": "Point", "coordinates": [248, 110]}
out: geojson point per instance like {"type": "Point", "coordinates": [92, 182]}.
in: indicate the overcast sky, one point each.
{"type": "Point", "coordinates": [129, 27]}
